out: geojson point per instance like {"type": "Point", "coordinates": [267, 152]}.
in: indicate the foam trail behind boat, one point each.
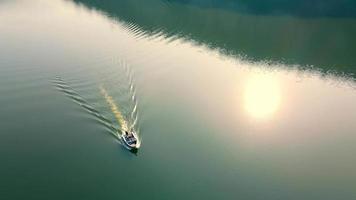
{"type": "Point", "coordinates": [132, 90]}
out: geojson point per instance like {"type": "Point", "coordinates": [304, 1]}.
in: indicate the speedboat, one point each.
{"type": "Point", "coordinates": [131, 140]}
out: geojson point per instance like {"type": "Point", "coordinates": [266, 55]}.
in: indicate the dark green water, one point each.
{"type": "Point", "coordinates": [236, 99]}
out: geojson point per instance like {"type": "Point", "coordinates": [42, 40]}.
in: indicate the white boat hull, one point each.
{"type": "Point", "coordinates": [128, 144]}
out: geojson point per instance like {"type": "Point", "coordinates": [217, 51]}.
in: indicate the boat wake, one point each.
{"type": "Point", "coordinates": [125, 123]}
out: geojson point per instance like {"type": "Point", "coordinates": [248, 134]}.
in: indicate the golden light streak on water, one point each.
{"type": "Point", "coordinates": [114, 108]}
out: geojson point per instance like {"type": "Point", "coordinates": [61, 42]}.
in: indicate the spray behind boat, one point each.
{"type": "Point", "coordinates": [127, 131]}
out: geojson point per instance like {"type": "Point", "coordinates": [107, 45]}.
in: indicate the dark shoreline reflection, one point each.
{"type": "Point", "coordinates": [300, 8]}
{"type": "Point", "coordinates": [326, 43]}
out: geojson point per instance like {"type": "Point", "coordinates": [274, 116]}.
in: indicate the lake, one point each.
{"type": "Point", "coordinates": [231, 99]}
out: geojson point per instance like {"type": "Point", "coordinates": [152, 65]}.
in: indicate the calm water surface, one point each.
{"type": "Point", "coordinates": [233, 103]}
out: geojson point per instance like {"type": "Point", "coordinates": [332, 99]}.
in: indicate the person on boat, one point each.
{"type": "Point", "coordinates": [129, 135]}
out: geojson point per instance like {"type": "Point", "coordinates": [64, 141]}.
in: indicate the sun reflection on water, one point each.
{"type": "Point", "coordinates": [262, 95]}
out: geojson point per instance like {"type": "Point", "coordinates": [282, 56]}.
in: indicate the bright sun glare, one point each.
{"type": "Point", "coordinates": [262, 96]}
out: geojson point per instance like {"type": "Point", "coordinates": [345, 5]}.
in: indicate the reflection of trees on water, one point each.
{"type": "Point", "coordinates": [326, 43]}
